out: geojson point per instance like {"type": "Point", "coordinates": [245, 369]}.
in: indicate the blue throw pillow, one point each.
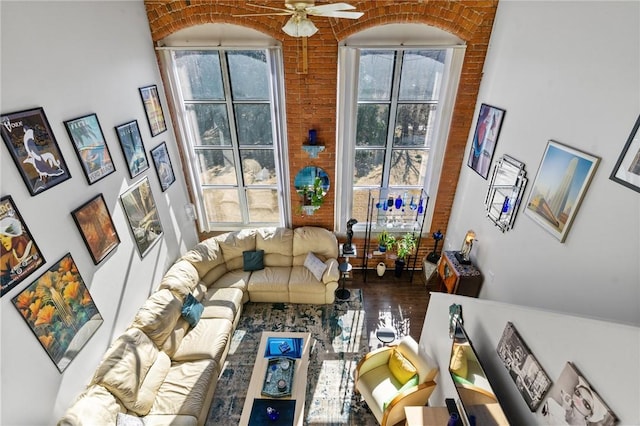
{"type": "Point", "coordinates": [253, 260]}
{"type": "Point", "coordinates": [192, 310]}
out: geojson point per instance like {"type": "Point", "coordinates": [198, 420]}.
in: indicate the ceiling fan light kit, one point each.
{"type": "Point", "coordinates": [299, 26]}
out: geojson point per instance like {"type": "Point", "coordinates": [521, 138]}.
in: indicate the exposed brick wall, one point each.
{"type": "Point", "coordinates": [311, 97]}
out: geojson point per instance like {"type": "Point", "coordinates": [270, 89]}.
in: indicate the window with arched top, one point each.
{"type": "Point", "coordinates": [396, 91]}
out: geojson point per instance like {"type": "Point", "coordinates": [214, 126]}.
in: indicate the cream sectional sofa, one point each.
{"type": "Point", "coordinates": [161, 370]}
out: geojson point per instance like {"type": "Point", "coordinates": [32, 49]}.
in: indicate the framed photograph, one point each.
{"type": "Point", "coordinates": [96, 227]}
{"type": "Point", "coordinates": [20, 255]}
{"type": "Point", "coordinates": [153, 109]}
{"type": "Point", "coordinates": [132, 147]}
{"type": "Point", "coordinates": [142, 215]}
{"type": "Point", "coordinates": [60, 311]}
{"type": "Point", "coordinates": [530, 379]}
{"type": "Point", "coordinates": [627, 169]}
{"type": "Point", "coordinates": [34, 149]}
{"type": "Point", "coordinates": [91, 148]}
{"type": "Point", "coordinates": [572, 401]}
{"type": "Point", "coordinates": [485, 138]}
{"type": "Point", "coordinates": [164, 169]}
{"type": "Point", "coordinates": [561, 182]}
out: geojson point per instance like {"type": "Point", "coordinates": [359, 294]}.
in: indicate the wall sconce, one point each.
{"type": "Point", "coordinates": [467, 243]}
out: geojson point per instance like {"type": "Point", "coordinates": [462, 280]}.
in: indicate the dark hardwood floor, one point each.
{"type": "Point", "coordinates": [393, 301]}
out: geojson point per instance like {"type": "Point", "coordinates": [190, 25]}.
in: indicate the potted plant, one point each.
{"type": "Point", "coordinates": [313, 196]}
{"type": "Point", "coordinates": [404, 248]}
{"type": "Point", "coordinates": [385, 241]}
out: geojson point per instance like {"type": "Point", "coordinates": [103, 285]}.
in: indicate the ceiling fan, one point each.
{"type": "Point", "coordinates": [300, 25]}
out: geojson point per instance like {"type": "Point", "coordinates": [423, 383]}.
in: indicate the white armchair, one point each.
{"type": "Point", "coordinates": [381, 379]}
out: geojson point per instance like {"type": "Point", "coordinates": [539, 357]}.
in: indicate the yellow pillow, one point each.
{"type": "Point", "coordinates": [400, 367]}
{"type": "Point", "coordinates": [458, 364]}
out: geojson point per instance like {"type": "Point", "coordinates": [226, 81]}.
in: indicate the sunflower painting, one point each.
{"type": "Point", "coordinates": [60, 311]}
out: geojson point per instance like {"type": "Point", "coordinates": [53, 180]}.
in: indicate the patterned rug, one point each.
{"type": "Point", "coordinates": [340, 342]}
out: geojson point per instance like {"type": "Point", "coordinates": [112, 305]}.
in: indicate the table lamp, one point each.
{"type": "Point", "coordinates": [463, 254]}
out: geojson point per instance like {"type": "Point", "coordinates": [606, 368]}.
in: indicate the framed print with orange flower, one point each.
{"type": "Point", "coordinates": [60, 311]}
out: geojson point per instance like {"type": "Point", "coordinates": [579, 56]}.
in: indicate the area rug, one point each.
{"type": "Point", "coordinates": [340, 342]}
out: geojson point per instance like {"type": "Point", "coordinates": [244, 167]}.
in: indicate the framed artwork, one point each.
{"type": "Point", "coordinates": [153, 109]}
{"type": "Point", "coordinates": [96, 227]}
{"type": "Point", "coordinates": [164, 169]}
{"type": "Point", "coordinates": [627, 169]}
{"type": "Point", "coordinates": [142, 215]}
{"type": "Point", "coordinates": [485, 138]}
{"type": "Point", "coordinates": [20, 255]}
{"type": "Point", "coordinates": [572, 401]}
{"type": "Point", "coordinates": [529, 377]}
{"type": "Point", "coordinates": [132, 147]}
{"type": "Point", "coordinates": [91, 148]}
{"type": "Point", "coordinates": [34, 149]}
{"type": "Point", "coordinates": [60, 311]}
{"type": "Point", "coordinates": [561, 182]}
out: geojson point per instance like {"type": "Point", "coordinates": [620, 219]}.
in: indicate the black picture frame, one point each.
{"type": "Point", "coordinates": [20, 253]}
{"type": "Point", "coordinates": [485, 138]}
{"type": "Point", "coordinates": [90, 146]}
{"type": "Point", "coordinates": [132, 147]}
{"type": "Point", "coordinates": [627, 169]}
{"type": "Point", "coordinates": [142, 214]}
{"type": "Point", "coordinates": [153, 109]}
{"type": "Point", "coordinates": [96, 227]}
{"type": "Point", "coordinates": [162, 163]}
{"type": "Point", "coordinates": [34, 149]}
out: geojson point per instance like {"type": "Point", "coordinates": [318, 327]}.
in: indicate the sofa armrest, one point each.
{"type": "Point", "coordinates": [373, 359]}
{"type": "Point", "coordinates": [332, 274]}
{"type": "Point", "coordinates": [415, 396]}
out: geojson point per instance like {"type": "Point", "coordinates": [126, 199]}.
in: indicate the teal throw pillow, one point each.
{"type": "Point", "coordinates": [253, 260]}
{"type": "Point", "coordinates": [192, 310]}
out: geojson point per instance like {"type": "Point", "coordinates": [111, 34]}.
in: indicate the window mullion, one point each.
{"type": "Point", "coordinates": [393, 109]}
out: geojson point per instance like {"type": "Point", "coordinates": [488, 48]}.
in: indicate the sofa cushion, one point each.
{"type": "Point", "coordinates": [192, 310]}
{"type": "Point", "coordinates": [125, 366]}
{"type": "Point", "coordinates": [171, 345]}
{"type": "Point", "coordinates": [95, 406]}
{"type": "Point", "coordinates": [232, 245]}
{"type": "Point", "coordinates": [376, 386]}
{"type": "Point", "coordinates": [277, 244]}
{"type": "Point", "coordinates": [208, 339]}
{"type": "Point", "coordinates": [320, 241]}
{"type": "Point", "coordinates": [205, 256]}
{"type": "Point", "coordinates": [315, 266]}
{"type": "Point", "coordinates": [151, 384]}
{"type": "Point", "coordinates": [252, 260]}
{"type": "Point", "coordinates": [158, 315]}
{"type": "Point", "coordinates": [222, 303]}
{"type": "Point", "coordinates": [181, 278]}
{"type": "Point", "coordinates": [185, 389]}
{"type": "Point", "coordinates": [302, 280]}
{"type": "Point", "coordinates": [272, 278]}
{"type": "Point", "coordinates": [332, 274]}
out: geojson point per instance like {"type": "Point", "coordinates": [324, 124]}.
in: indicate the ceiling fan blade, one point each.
{"type": "Point", "coordinates": [328, 7]}
{"type": "Point", "coordinates": [265, 14]}
{"type": "Point", "coordinates": [279, 9]}
{"type": "Point", "coordinates": [338, 14]}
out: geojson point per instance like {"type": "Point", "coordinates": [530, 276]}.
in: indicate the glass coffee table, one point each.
{"type": "Point", "coordinates": [278, 384]}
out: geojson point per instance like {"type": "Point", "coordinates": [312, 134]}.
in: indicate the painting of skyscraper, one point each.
{"type": "Point", "coordinates": [561, 182]}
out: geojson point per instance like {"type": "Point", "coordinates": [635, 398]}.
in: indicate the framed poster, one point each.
{"type": "Point", "coordinates": [485, 139]}
{"type": "Point", "coordinates": [20, 254]}
{"type": "Point", "coordinates": [572, 401]}
{"type": "Point", "coordinates": [59, 311]}
{"type": "Point", "coordinates": [153, 109]}
{"type": "Point", "coordinates": [627, 169]}
{"type": "Point", "coordinates": [561, 182]}
{"type": "Point", "coordinates": [92, 150]}
{"type": "Point", "coordinates": [525, 370]}
{"type": "Point", "coordinates": [34, 149]}
{"type": "Point", "coordinates": [142, 215]}
{"type": "Point", "coordinates": [164, 169]}
{"type": "Point", "coordinates": [132, 147]}
{"type": "Point", "coordinates": [96, 227]}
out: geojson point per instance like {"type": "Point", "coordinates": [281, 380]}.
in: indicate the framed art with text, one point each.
{"type": "Point", "coordinates": [96, 227]}
{"type": "Point", "coordinates": [627, 169]}
{"type": "Point", "coordinates": [485, 138]}
{"type": "Point", "coordinates": [153, 109]}
{"type": "Point", "coordinates": [132, 147]}
{"type": "Point", "coordinates": [20, 255]}
{"type": "Point", "coordinates": [164, 169]}
{"type": "Point", "coordinates": [34, 149]}
{"type": "Point", "coordinates": [91, 148]}
{"type": "Point", "coordinates": [60, 311]}
{"type": "Point", "coordinates": [142, 215]}
{"type": "Point", "coordinates": [559, 187]}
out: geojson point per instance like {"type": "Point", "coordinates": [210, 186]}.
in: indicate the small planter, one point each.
{"type": "Point", "coordinates": [382, 249]}
{"type": "Point", "coordinates": [399, 267]}
{"type": "Point", "coordinates": [380, 269]}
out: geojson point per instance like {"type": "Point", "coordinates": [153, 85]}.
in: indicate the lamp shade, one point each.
{"type": "Point", "coordinates": [299, 26]}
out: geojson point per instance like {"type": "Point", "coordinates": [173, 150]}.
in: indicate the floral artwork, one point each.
{"type": "Point", "coordinates": [60, 311]}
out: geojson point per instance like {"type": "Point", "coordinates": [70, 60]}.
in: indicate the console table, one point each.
{"type": "Point", "coordinates": [457, 278]}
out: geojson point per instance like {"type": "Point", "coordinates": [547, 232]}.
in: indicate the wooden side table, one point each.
{"type": "Point", "coordinates": [458, 278]}
{"type": "Point", "coordinates": [421, 416]}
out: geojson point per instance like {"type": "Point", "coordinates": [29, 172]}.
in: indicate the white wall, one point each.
{"type": "Point", "coordinates": [75, 58]}
{"type": "Point", "coordinates": [567, 71]}
{"type": "Point", "coordinates": [604, 352]}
